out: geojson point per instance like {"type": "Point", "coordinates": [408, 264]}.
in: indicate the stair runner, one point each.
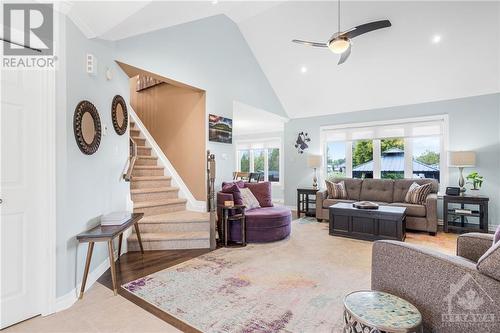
{"type": "Point", "coordinates": [166, 224]}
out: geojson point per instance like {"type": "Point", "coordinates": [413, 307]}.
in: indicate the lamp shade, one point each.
{"type": "Point", "coordinates": [314, 161]}
{"type": "Point", "coordinates": [462, 158]}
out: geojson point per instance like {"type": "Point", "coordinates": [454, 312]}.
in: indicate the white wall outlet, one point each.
{"type": "Point", "coordinates": [91, 64]}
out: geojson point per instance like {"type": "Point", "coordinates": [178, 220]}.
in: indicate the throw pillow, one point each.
{"type": "Point", "coordinates": [336, 190]}
{"type": "Point", "coordinates": [235, 191]}
{"type": "Point", "coordinates": [249, 200]}
{"type": "Point", "coordinates": [496, 239]}
{"type": "Point", "coordinates": [262, 191]}
{"type": "Point", "coordinates": [489, 263]}
{"type": "Point", "coordinates": [418, 193]}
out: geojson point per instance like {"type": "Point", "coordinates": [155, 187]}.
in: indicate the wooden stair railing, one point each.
{"type": "Point", "coordinates": [211, 196]}
{"type": "Point", "coordinates": [133, 157]}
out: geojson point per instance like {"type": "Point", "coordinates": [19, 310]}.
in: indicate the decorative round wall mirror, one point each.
{"type": "Point", "coordinates": [87, 127]}
{"type": "Point", "coordinates": [119, 115]}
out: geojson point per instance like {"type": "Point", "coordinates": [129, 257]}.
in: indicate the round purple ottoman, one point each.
{"type": "Point", "coordinates": [267, 224]}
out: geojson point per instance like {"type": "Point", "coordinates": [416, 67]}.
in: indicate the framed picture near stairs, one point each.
{"type": "Point", "coordinates": [119, 114]}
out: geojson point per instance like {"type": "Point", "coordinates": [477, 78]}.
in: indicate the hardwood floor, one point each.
{"type": "Point", "coordinates": [133, 265]}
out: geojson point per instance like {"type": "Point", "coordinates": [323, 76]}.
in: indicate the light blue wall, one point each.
{"type": "Point", "coordinates": [473, 125]}
{"type": "Point", "coordinates": [210, 54]}
{"type": "Point", "coordinates": [87, 186]}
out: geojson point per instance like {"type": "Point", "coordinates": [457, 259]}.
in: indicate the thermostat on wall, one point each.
{"type": "Point", "coordinates": [91, 64]}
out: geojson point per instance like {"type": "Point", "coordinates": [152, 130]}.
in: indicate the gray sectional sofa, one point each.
{"type": "Point", "coordinates": [388, 192]}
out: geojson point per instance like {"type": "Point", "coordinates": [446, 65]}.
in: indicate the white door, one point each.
{"type": "Point", "coordinates": [21, 215]}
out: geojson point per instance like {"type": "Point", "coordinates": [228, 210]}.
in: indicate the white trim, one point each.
{"type": "Point", "coordinates": [386, 122]}
{"type": "Point", "coordinates": [184, 192]}
{"type": "Point", "coordinates": [67, 300]}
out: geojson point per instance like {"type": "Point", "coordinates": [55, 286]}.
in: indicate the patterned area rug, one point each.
{"type": "Point", "coordinates": [295, 285]}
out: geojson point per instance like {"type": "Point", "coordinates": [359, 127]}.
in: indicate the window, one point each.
{"type": "Point", "coordinates": [261, 157]}
{"type": "Point", "coordinates": [426, 157]}
{"type": "Point", "coordinates": [244, 158]}
{"type": "Point", "coordinates": [273, 158]}
{"type": "Point", "coordinates": [396, 149]}
{"type": "Point", "coordinates": [362, 159]}
{"type": "Point", "coordinates": [335, 165]}
{"type": "Point", "coordinates": [392, 160]}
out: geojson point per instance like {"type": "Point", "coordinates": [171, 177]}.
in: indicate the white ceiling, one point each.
{"type": "Point", "coordinates": [395, 66]}
{"type": "Point", "coordinates": [250, 120]}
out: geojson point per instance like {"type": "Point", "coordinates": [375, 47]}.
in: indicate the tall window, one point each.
{"type": "Point", "coordinates": [392, 150]}
{"type": "Point", "coordinates": [263, 157]}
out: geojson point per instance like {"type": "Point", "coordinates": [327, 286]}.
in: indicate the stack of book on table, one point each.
{"type": "Point", "coordinates": [115, 218]}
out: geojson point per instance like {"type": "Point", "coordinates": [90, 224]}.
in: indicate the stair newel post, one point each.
{"type": "Point", "coordinates": [211, 196]}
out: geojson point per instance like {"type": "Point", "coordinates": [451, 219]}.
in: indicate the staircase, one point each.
{"type": "Point", "coordinates": [166, 224]}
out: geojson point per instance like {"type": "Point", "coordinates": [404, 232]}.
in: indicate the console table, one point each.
{"type": "Point", "coordinates": [303, 201]}
{"type": "Point", "coordinates": [107, 234]}
{"type": "Point", "coordinates": [457, 218]}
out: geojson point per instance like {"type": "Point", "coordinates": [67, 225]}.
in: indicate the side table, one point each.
{"type": "Point", "coordinates": [107, 234]}
{"type": "Point", "coordinates": [239, 216]}
{"type": "Point", "coordinates": [304, 201]}
{"type": "Point", "coordinates": [467, 208]}
{"type": "Point", "coordinates": [377, 312]}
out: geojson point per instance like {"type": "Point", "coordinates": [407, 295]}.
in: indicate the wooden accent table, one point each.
{"type": "Point", "coordinates": [226, 218]}
{"type": "Point", "coordinates": [303, 201]}
{"type": "Point", "coordinates": [107, 234]}
{"type": "Point", "coordinates": [458, 220]}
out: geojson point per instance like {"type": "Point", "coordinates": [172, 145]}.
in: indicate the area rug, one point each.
{"type": "Point", "coordinates": [294, 285]}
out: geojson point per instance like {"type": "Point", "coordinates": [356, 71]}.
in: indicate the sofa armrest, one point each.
{"type": "Point", "coordinates": [320, 197]}
{"type": "Point", "coordinates": [426, 279]}
{"type": "Point", "coordinates": [431, 212]}
{"type": "Point", "coordinates": [473, 245]}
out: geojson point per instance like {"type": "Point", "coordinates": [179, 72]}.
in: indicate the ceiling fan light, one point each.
{"type": "Point", "coordinates": [339, 45]}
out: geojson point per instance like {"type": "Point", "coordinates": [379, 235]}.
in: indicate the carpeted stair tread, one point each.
{"type": "Point", "coordinates": [147, 157]}
{"type": "Point", "coordinates": [154, 190]}
{"type": "Point", "coordinates": [183, 216]}
{"type": "Point", "coordinates": [148, 167]}
{"type": "Point", "coordinates": [168, 236]}
{"type": "Point", "coordinates": [164, 202]}
{"type": "Point", "coordinates": [138, 178]}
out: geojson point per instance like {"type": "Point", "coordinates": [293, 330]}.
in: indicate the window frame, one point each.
{"type": "Point", "coordinates": [406, 123]}
{"type": "Point", "coordinates": [261, 144]}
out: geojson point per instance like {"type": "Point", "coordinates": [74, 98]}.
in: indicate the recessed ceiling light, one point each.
{"type": "Point", "coordinates": [436, 39]}
{"type": "Point", "coordinates": [214, 2]}
{"type": "Point", "coordinates": [303, 69]}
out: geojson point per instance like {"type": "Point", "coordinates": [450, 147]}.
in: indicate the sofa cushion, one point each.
{"type": "Point", "coordinates": [336, 190]}
{"type": "Point", "coordinates": [489, 263]}
{"type": "Point", "coordinates": [249, 200]}
{"type": "Point", "coordinates": [328, 202]}
{"type": "Point", "coordinates": [235, 191]}
{"type": "Point", "coordinates": [417, 194]}
{"type": "Point", "coordinates": [377, 190]}
{"type": "Point", "coordinates": [411, 209]}
{"type": "Point", "coordinates": [401, 187]}
{"type": "Point", "coordinates": [262, 192]}
{"type": "Point", "coordinates": [352, 187]}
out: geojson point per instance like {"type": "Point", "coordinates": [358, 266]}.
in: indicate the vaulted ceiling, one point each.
{"type": "Point", "coordinates": [400, 65]}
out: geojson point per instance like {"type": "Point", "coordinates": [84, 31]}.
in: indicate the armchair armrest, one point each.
{"type": "Point", "coordinates": [426, 278]}
{"type": "Point", "coordinates": [431, 209]}
{"type": "Point", "coordinates": [473, 245]}
{"type": "Point", "coordinates": [320, 197]}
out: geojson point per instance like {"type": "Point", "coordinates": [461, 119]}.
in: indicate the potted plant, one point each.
{"type": "Point", "coordinates": [475, 180]}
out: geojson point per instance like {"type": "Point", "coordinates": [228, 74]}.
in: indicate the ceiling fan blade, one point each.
{"type": "Point", "coordinates": [367, 27]}
{"type": "Point", "coordinates": [304, 42]}
{"type": "Point", "coordinates": [345, 55]}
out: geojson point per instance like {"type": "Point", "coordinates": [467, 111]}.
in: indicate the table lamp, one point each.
{"type": "Point", "coordinates": [314, 161]}
{"type": "Point", "coordinates": [461, 160]}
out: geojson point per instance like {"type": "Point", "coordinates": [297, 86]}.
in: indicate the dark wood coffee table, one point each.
{"type": "Point", "coordinates": [386, 222]}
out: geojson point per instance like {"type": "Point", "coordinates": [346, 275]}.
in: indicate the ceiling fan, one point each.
{"type": "Point", "coordinates": [340, 42]}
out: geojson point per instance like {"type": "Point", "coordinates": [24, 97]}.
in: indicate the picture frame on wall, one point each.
{"type": "Point", "coordinates": [220, 129]}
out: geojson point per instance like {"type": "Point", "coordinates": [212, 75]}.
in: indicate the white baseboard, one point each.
{"type": "Point", "coordinates": [66, 301]}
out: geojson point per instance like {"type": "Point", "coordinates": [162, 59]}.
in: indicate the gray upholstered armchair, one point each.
{"type": "Point", "coordinates": [459, 294]}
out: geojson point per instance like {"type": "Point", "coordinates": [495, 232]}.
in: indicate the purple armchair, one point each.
{"type": "Point", "coordinates": [265, 224]}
